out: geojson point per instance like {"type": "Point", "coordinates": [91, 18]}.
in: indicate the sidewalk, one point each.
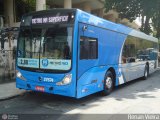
{"type": "Point", "coordinates": [9, 90]}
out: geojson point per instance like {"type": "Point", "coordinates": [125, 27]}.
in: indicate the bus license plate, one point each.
{"type": "Point", "coordinates": [39, 88]}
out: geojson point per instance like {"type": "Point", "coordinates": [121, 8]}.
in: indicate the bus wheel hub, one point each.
{"type": "Point", "coordinates": [108, 82]}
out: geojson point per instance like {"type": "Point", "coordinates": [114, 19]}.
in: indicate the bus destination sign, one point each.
{"type": "Point", "coordinates": [46, 20]}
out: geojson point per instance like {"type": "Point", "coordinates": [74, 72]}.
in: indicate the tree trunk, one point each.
{"type": "Point", "coordinates": [158, 30]}
{"type": "Point", "coordinates": [142, 22]}
{"type": "Point", "coordinates": [158, 26]}
{"type": "Point", "coordinates": [146, 25]}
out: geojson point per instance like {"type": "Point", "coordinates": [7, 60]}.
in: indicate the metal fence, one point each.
{"type": "Point", "coordinates": [8, 43]}
{"type": "Point", "coordinates": [7, 65]}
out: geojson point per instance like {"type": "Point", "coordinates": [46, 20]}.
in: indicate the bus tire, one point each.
{"type": "Point", "coordinates": [108, 83]}
{"type": "Point", "coordinates": [146, 72]}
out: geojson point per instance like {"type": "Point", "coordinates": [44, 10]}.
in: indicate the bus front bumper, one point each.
{"type": "Point", "coordinates": [46, 88]}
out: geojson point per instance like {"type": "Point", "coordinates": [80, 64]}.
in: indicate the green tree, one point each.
{"type": "Point", "coordinates": [130, 9]}
{"type": "Point", "coordinates": [126, 8]}
{"type": "Point", "coordinates": [148, 8]}
{"type": "Point", "coordinates": [156, 20]}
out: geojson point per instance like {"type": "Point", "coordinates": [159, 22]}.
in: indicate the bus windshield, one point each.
{"type": "Point", "coordinates": [46, 47]}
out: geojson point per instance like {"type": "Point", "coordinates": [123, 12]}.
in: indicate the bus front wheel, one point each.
{"type": "Point", "coordinates": [108, 83]}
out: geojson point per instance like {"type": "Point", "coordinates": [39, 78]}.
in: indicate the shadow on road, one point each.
{"type": "Point", "coordinates": [138, 88]}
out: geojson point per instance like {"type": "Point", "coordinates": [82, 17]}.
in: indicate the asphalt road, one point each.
{"type": "Point", "coordinates": [138, 96]}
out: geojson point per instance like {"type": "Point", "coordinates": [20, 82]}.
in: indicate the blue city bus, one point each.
{"type": "Point", "coordinates": [73, 53]}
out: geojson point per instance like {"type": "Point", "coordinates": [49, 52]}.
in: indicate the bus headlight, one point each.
{"type": "Point", "coordinates": [19, 75]}
{"type": "Point", "coordinates": [66, 80]}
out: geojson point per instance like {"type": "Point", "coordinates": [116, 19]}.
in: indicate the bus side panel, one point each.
{"type": "Point", "coordinates": [111, 53]}
{"type": "Point", "coordinates": [91, 72]}
{"type": "Point", "coordinates": [152, 66]}
{"type": "Point", "coordinates": [109, 48]}
{"type": "Point", "coordinates": [130, 70]}
{"type": "Point", "coordinates": [121, 76]}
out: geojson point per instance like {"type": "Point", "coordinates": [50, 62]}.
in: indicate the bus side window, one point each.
{"type": "Point", "coordinates": [88, 48]}
{"type": "Point", "coordinates": [129, 51]}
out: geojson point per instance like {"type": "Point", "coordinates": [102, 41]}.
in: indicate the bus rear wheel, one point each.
{"type": "Point", "coordinates": [108, 83]}
{"type": "Point", "coordinates": [146, 72]}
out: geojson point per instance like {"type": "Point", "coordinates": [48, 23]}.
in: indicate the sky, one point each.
{"type": "Point", "coordinates": [138, 21]}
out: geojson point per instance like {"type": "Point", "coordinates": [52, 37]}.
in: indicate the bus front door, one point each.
{"type": "Point", "coordinates": [87, 55]}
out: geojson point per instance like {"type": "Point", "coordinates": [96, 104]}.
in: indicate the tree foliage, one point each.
{"type": "Point", "coordinates": [125, 8]}
{"type": "Point", "coordinates": [156, 19]}
{"type": "Point", "coordinates": [131, 9]}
